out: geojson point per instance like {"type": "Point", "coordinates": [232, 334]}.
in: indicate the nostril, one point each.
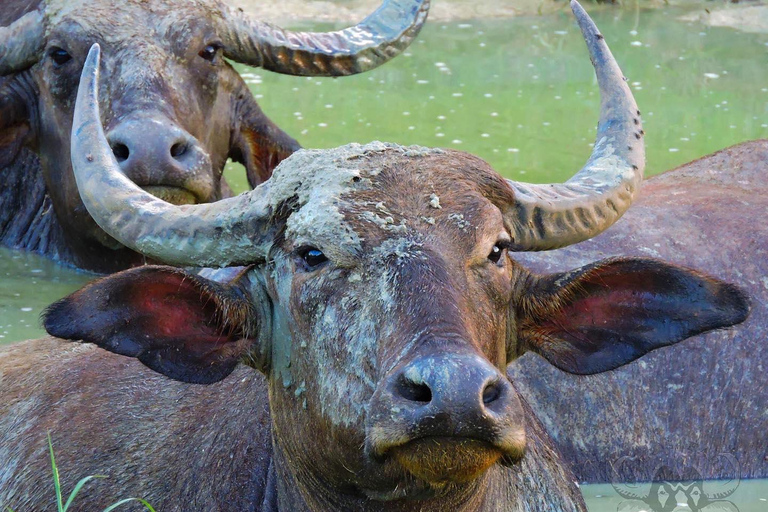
{"type": "Point", "coordinates": [492, 392]}
{"type": "Point", "coordinates": [121, 152]}
{"type": "Point", "coordinates": [178, 149]}
{"type": "Point", "coordinates": [413, 391]}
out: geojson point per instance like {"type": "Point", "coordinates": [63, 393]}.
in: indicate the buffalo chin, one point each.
{"type": "Point", "coordinates": [173, 195]}
{"type": "Point", "coordinates": [446, 460]}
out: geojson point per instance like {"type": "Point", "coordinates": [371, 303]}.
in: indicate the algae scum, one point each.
{"type": "Point", "coordinates": [518, 92]}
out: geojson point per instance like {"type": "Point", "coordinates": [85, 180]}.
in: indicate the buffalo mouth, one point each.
{"type": "Point", "coordinates": [446, 460]}
{"type": "Point", "coordinates": [174, 195]}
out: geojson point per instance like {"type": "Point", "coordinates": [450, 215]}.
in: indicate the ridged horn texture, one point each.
{"type": "Point", "coordinates": [551, 216]}
{"type": "Point", "coordinates": [22, 42]}
{"type": "Point", "coordinates": [379, 37]}
{"type": "Point", "coordinates": [227, 232]}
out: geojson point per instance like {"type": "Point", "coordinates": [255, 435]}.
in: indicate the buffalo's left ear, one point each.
{"type": "Point", "coordinates": [605, 315]}
{"type": "Point", "coordinates": [257, 142]}
{"type": "Point", "coordinates": [177, 323]}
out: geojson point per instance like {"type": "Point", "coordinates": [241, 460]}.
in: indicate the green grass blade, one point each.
{"type": "Point", "coordinates": [127, 500]}
{"type": "Point", "coordinates": [77, 488]}
{"type": "Point", "coordinates": [56, 482]}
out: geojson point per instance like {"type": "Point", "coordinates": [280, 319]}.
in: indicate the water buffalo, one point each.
{"type": "Point", "coordinates": [174, 108]}
{"type": "Point", "coordinates": [381, 304]}
{"type": "Point", "coordinates": [696, 401]}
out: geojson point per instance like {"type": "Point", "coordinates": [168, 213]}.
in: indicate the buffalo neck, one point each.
{"type": "Point", "coordinates": [286, 491]}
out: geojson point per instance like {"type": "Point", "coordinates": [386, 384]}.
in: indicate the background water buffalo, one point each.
{"type": "Point", "coordinates": [706, 396]}
{"type": "Point", "coordinates": [175, 110]}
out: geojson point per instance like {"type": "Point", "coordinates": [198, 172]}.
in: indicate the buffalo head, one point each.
{"type": "Point", "coordinates": [381, 299]}
{"type": "Point", "coordinates": [173, 107]}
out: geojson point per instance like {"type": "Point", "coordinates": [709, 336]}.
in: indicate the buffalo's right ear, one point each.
{"type": "Point", "coordinates": [15, 131]}
{"type": "Point", "coordinates": [607, 314]}
{"type": "Point", "coordinates": [177, 323]}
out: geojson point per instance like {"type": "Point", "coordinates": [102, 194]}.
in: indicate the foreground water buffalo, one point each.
{"type": "Point", "coordinates": [381, 304]}
{"type": "Point", "coordinates": [175, 110]}
{"type": "Point", "coordinates": [694, 403]}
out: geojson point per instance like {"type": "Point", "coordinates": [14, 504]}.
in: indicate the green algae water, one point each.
{"type": "Point", "coordinates": [518, 92]}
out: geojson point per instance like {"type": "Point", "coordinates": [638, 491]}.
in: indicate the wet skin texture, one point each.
{"type": "Point", "coordinates": [687, 406]}
{"type": "Point", "coordinates": [175, 110]}
{"type": "Point", "coordinates": [390, 341]}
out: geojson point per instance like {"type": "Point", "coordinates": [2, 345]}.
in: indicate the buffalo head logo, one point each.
{"type": "Point", "coordinates": [677, 490]}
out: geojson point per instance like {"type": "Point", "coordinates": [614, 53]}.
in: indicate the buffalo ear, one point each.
{"type": "Point", "coordinates": [257, 142]}
{"type": "Point", "coordinates": [176, 323]}
{"type": "Point", "coordinates": [605, 315]}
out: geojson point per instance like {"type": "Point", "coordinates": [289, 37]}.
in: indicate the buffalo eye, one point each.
{"type": "Point", "coordinates": [59, 55]}
{"type": "Point", "coordinates": [312, 257]}
{"type": "Point", "coordinates": [497, 252]}
{"type": "Point", "coordinates": [210, 52]}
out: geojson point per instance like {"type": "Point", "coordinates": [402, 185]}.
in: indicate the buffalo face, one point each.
{"type": "Point", "coordinates": [174, 109]}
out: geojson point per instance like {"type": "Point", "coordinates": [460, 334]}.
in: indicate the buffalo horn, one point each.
{"type": "Point", "coordinates": [551, 216]}
{"type": "Point", "coordinates": [21, 42]}
{"type": "Point", "coordinates": [375, 40]}
{"type": "Point", "coordinates": [227, 232]}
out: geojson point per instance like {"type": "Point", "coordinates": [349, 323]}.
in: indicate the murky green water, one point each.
{"type": "Point", "coordinates": [518, 92]}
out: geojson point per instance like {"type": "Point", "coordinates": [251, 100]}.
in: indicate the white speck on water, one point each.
{"type": "Point", "coordinates": [406, 113]}
{"type": "Point", "coordinates": [636, 43]}
{"type": "Point", "coordinates": [702, 33]}
{"type": "Point", "coordinates": [440, 64]}
{"type": "Point", "coordinates": [464, 25]}
{"type": "Point", "coordinates": [422, 82]}
{"type": "Point", "coordinates": [457, 94]}
{"type": "Point", "coordinates": [411, 127]}
{"type": "Point", "coordinates": [36, 271]}
{"type": "Point", "coordinates": [535, 77]}
{"type": "Point", "coordinates": [561, 32]}
{"type": "Point", "coordinates": [684, 139]}
{"type": "Point", "coordinates": [637, 83]}
{"type": "Point", "coordinates": [456, 141]}
{"type": "Point", "coordinates": [439, 135]}
{"type": "Point", "coordinates": [558, 97]}
{"type": "Point", "coordinates": [328, 105]}
{"type": "Point", "coordinates": [297, 114]}
{"type": "Point", "coordinates": [711, 75]}
{"type": "Point", "coordinates": [513, 150]}
{"type": "Point", "coordinates": [681, 58]}
{"type": "Point", "coordinates": [482, 45]}
{"type": "Point", "coordinates": [673, 150]}
{"type": "Point", "coordinates": [633, 32]}
{"type": "Point", "coordinates": [441, 118]}
{"type": "Point", "coordinates": [546, 123]}
{"type": "Point", "coordinates": [485, 135]}
{"type": "Point", "coordinates": [488, 95]}
{"type": "Point", "coordinates": [26, 310]}
{"type": "Point", "coordinates": [322, 125]}
{"type": "Point", "coordinates": [494, 114]}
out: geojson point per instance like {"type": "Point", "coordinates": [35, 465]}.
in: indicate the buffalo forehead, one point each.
{"type": "Point", "coordinates": [355, 197]}
{"type": "Point", "coordinates": [118, 22]}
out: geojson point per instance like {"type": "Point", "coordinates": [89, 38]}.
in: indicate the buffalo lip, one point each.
{"type": "Point", "coordinates": [442, 460]}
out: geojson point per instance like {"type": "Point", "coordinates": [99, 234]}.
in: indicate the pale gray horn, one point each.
{"type": "Point", "coordinates": [379, 37]}
{"type": "Point", "coordinates": [551, 216]}
{"type": "Point", "coordinates": [21, 42]}
{"type": "Point", "coordinates": [227, 232]}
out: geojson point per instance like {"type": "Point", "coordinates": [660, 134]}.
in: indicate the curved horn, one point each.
{"type": "Point", "coordinates": [21, 42]}
{"type": "Point", "coordinates": [551, 216]}
{"type": "Point", "coordinates": [378, 38]}
{"type": "Point", "coordinates": [227, 232]}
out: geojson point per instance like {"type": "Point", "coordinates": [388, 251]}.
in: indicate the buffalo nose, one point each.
{"type": "Point", "coordinates": [156, 152]}
{"type": "Point", "coordinates": [464, 385]}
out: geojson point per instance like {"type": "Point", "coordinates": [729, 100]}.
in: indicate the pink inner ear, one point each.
{"type": "Point", "coordinates": [173, 308]}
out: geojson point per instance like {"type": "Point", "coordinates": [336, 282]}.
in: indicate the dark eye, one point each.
{"type": "Point", "coordinates": [497, 252]}
{"type": "Point", "coordinates": [312, 257]}
{"type": "Point", "coordinates": [210, 52]}
{"type": "Point", "coordinates": [59, 56]}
